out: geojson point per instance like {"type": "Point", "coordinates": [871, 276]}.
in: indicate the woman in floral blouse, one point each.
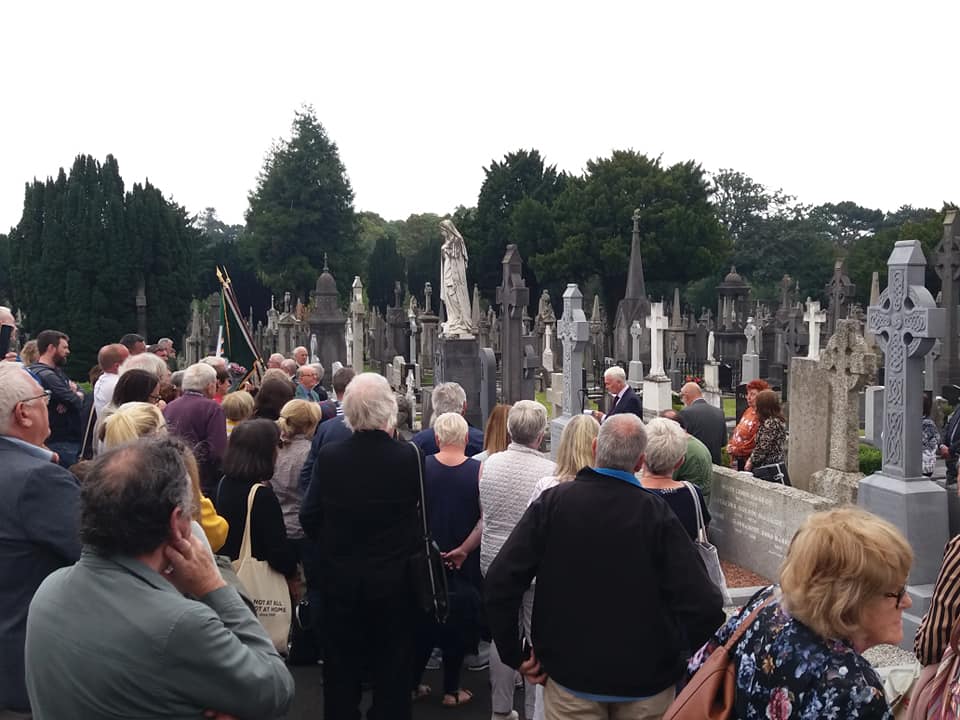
{"type": "Point", "coordinates": [745, 433]}
{"type": "Point", "coordinates": [842, 590]}
{"type": "Point", "coordinates": [771, 439]}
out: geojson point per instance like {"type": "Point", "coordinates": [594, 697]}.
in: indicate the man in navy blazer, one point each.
{"type": "Point", "coordinates": [625, 400]}
{"type": "Point", "coordinates": [39, 520]}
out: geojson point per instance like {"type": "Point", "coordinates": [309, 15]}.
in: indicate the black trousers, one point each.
{"type": "Point", "coordinates": [372, 636]}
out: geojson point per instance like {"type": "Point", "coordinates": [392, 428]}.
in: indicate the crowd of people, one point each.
{"type": "Point", "coordinates": [120, 534]}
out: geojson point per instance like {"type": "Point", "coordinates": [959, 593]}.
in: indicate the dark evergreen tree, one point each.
{"type": "Point", "coordinates": [81, 249]}
{"type": "Point", "coordinates": [384, 268]}
{"type": "Point", "coordinates": [301, 210]}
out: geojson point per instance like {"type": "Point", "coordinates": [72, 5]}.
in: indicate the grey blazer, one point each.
{"type": "Point", "coordinates": [110, 638]}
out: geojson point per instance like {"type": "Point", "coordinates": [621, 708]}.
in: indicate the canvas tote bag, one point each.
{"type": "Point", "coordinates": [708, 552]}
{"type": "Point", "coordinates": [265, 586]}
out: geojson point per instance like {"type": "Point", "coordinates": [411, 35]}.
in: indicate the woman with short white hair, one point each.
{"type": "Point", "coordinates": [666, 447]}
{"type": "Point", "coordinates": [361, 510]}
{"type": "Point", "coordinates": [507, 480]}
{"type": "Point", "coordinates": [451, 486]}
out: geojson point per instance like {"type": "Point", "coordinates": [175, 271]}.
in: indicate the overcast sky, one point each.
{"type": "Point", "coordinates": [831, 101]}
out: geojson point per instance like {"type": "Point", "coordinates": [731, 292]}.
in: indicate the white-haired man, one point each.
{"type": "Point", "coordinates": [448, 397]}
{"type": "Point", "coordinates": [507, 480]}
{"type": "Point", "coordinates": [361, 508]}
{"type": "Point", "coordinates": [275, 361]}
{"type": "Point", "coordinates": [300, 355]}
{"type": "Point", "coordinates": [625, 400]}
{"type": "Point", "coordinates": [39, 521]}
{"type": "Point", "coordinates": [616, 653]}
{"type": "Point", "coordinates": [199, 420]}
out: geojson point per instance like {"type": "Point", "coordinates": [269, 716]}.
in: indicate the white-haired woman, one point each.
{"type": "Point", "coordinates": [361, 508]}
{"type": "Point", "coordinates": [507, 480]}
{"type": "Point", "coordinates": [666, 446]}
{"type": "Point", "coordinates": [452, 487]}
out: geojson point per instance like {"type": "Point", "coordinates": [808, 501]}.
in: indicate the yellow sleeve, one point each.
{"type": "Point", "coordinates": [214, 526]}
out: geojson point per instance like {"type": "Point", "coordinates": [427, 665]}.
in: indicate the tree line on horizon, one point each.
{"type": "Point", "coordinates": [83, 244]}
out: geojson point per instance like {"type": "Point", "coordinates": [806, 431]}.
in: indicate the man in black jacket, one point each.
{"type": "Point", "coordinates": [621, 593]}
{"type": "Point", "coordinates": [66, 401]}
{"type": "Point", "coordinates": [704, 421]}
{"type": "Point", "coordinates": [625, 400]}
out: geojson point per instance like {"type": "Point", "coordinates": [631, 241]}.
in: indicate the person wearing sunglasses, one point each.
{"type": "Point", "coordinates": [39, 520]}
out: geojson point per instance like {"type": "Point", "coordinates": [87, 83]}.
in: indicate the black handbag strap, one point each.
{"type": "Point", "coordinates": [423, 499]}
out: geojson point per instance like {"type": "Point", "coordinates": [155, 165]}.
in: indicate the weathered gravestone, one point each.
{"type": "Point", "coordinates": [808, 446]}
{"type": "Point", "coordinates": [848, 366]}
{"type": "Point", "coordinates": [457, 360]}
{"type": "Point", "coordinates": [634, 306]}
{"type": "Point", "coordinates": [573, 331]}
{"type": "Point", "coordinates": [814, 318]}
{"type": "Point", "coordinates": [635, 374]}
{"type": "Point", "coordinates": [906, 322]}
{"type": "Point", "coordinates": [488, 383]}
{"type": "Point", "coordinates": [513, 296]}
{"type": "Point", "coordinates": [947, 266]}
{"type": "Point", "coordinates": [753, 520]}
{"type": "Point", "coordinates": [358, 316]}
{"type": "Point", "coordinates": [657, 395]}
{"type": "Point", "coordinates": [750, 361]}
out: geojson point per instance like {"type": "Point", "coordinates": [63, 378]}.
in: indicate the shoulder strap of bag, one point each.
{"type": "Point", "coordinates": [423, 499]}
{"type": "Point", "coordinates": [738, 633]}
{"type": "Point", "coordinates": [245, 545]}
{"type": "Point", "coordinates": [701, 526]}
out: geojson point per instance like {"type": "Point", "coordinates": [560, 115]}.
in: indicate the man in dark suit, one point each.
{"type": "Point", "coordinates": [361, 510]}
{"type": "Point", "coordinates": [704, 421]}
{"type": "Point", "coordinates": [625, 400]}
{"type": "Point", "coordinates": [39, 520]}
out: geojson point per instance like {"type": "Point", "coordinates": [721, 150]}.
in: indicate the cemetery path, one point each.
{"type": "Point", "coordinates": [308, 704]}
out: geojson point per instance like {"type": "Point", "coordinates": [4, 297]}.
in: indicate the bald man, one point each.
{"type": "Point", "coordinates": [704, 421]}
{"type": "Point", "coordinates": [6, 318]}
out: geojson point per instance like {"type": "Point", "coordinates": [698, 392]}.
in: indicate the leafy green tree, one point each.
{"type": "Point", "coordinates": [846, 222]}
{"type": "Point", "coordinates": [681, 239]}
{"type": "Point", "coordinates": [302, 209]}
{"type": "Point", "coordinates": [419, 242]}
{"type": "Point", "coordinates": [521, 176]}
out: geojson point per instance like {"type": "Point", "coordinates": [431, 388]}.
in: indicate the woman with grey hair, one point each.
{"type": "Point", "coordinates": [361, 510]}
{"type": "Point", "coordinates": [666, 446]}
{"type": "Point", "coordinates": [507, 480]}
{"type": "Point", "coordinates": [451, 485]}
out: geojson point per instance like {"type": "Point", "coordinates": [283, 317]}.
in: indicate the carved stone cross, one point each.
{"type": "Point", "coordinates": [906, 323]}
{"type": "Point", "coordinates": [947, 266]}
{"type": "Point", "coordinates": [636, 331]}
{"type": "Point", "coordinates": [573, 330]}
{"type": "Point", "coordinates": [657, 323]}
{"type": "Point", "coordinates": [849, 366]}
{"type": "Point", "coordinates": [814, 319]}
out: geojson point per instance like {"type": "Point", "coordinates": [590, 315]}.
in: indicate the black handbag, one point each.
{"type": "Point", "coordinates": [774, 472]}
{"type": "Point", "coordinates": [427, 569]}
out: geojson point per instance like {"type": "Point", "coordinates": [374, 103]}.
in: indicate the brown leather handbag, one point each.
{"type": "Point", "coordinates": [711, 692]}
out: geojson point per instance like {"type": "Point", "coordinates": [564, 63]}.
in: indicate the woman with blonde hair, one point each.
{"type": "Point", "coordinates": [237, 406]}
{"type": "Point", "coordinates": [134, 420]}
{"type": "Point", "coordinates": [574, 454]}
{"type": "Point", "coordinates": [297, 422]}
{"type": "Point", "coordinates": [842, 590]}
{"type": "Point", "coordinates": [495, 437]}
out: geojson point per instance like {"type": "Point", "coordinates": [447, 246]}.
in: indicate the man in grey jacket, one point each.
{"type": "Point", "coordinates": [144, 625]}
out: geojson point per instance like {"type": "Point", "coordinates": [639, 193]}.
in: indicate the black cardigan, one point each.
{"type": "Point", "coordinates": [268, 534]}
{"type": "Point", "coordinates": [621, 591]}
